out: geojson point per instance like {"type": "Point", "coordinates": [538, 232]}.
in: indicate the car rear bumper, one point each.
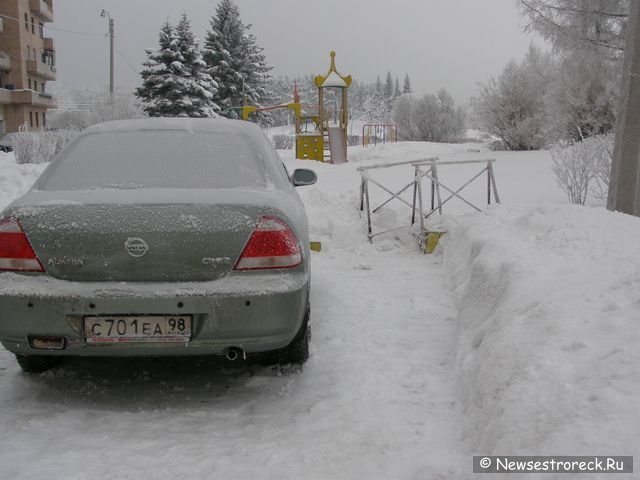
{"type": "Point", "coordinates": [254, 312]}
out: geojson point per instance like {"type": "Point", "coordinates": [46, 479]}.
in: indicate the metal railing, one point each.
{"type": "Point", "coordinates": [426, 169]}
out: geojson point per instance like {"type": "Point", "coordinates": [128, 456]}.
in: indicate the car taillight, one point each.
{"type": "Point", "coordinates": [272, 245]}
{"type": "Point", "coordinates": [16, 253]}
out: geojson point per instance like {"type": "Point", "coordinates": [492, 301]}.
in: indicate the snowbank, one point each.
{"type": "Point", "coordinates": [548, 304]}
{"type": "Point", "coordinates": [16, 179]}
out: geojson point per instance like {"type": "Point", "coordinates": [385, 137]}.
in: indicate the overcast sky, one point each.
{"type": "Point", "coordinates": [439, 43]}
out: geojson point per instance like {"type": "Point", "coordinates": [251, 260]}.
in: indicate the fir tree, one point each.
{"type": "Point", "coordinates": [388, 87]}
{"type": "Point", "coordinates": [407, 85]}
{"type": "Point", "coordinates": [379, 88]}
{"type": "Point", "coordinates": [173, 81]}
{"type": "Point", "coordinates": [396, 89]}
{"type": "Point", "coordinates": [199, 85]}
{"type": "Point", "coordinates": [235, 60]}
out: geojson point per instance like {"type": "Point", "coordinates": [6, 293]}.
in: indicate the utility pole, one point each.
{"type": "Point", "coordinates": [111, 35]}
{"type": "Point", "coordinates": [624, 185]}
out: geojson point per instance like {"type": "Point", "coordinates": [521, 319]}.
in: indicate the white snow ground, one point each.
{"type": "Point", "coordinates": [407, 380]}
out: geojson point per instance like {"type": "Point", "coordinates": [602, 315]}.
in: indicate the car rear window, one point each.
{"type": "Point", "coordinates": [157, 159]}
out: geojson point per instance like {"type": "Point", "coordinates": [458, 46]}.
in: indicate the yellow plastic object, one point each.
{"type": "Point", "coordinates": [332, 76]}
{"type": "Point", "coordinates": [309, 147]}
{"type": "Point", "coordinates": [431, 241]}
{"type": "Point", "coordinates": [248, 110]}
{"type": "Point", "coordinates": [296, 108]}
{"type": "Point", "coordinates": [315, 246]}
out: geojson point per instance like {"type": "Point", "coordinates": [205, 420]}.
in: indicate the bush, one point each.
{"type": "Point", "coordinates": [497, 146]}
{"type": "Point", "coordinates": [583, 167]}
{"type": "Point", "coordinates": [41, 147]}
{"type": "Point", "coordinates": [604, 147]}
{"type": "Point", "coordinates": [353, 140]}
{"type": "Point", "coordinates": [432, 118]}
{"type": "Point", "coordinates": [283, 142]}
{"type": "Point", "coordinates": [104, 108]}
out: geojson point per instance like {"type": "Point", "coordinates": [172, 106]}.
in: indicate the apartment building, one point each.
{"type": "Point", "coordinates": [27, 62]}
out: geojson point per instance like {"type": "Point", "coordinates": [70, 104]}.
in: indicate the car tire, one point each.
{"type": "Point", "coordinates": [296, 352]}
{"type": "Point", "coordinates": [36, 363]}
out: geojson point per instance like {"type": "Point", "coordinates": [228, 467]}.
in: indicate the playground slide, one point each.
{"type": "Point", "coordinates": [338, 145]}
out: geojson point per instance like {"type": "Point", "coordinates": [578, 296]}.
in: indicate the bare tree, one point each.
{"type": "Point", "coordinates": [512, 106]}
{"type": "Point", "coordinates": [403, 116]}
{"type": "Point", "coordinates": [567, 24]}
{"type": "Point", "coordinates": [432, 118]}
{"type": "Point", "coordinates": [582, 97]}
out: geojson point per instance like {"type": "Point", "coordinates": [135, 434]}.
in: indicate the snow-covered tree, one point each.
{"type": "Point", "coordinates": [96, 107]}
{"type": "Point", "coordinates": [396, 89]}
{"type": "Point", "coordinates": [403, 116]}
{"type": "Point", "coordinates": [432, 118]}
{"type": "Point", "coordinates": [374, 107]}
{"type": "Point", "coordinates": [198, 85]}
{"type": "Point", "coordinates": [174, 83]}
{"type": "Point", "coordinates": [379, 87]}
{"type": "Point", "coordinates": [582, 98]}
{"type": "Point", "coordinates": [512, 106]}
{"type": "Point", "coordinates": [571, 24]}
{"type": "Point", "coordinates": [235, 61]}
{"type": "Point", "coordinates": [388, 90]}
{"type": "Point", "coordinates": [407, 85]}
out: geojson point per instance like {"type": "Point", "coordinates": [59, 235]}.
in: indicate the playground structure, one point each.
{"type": "Point", "coordinates": [321, 132]}
{"type": "Point", "coordinates": [379, 133]}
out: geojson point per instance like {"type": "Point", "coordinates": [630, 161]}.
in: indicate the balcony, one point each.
{"type": "Point", "coordinates": [42, 10]}
{"type": "Point", "coordinates": [43, 70]}
{"type": "Point", "coordinates": [5, 62]}
{"type": "Point", "coordinates": [31, 97]}
{"type": "Point", "coordinates": [48, 44]}
{"type": "Point", "coordinates": [5, 96]}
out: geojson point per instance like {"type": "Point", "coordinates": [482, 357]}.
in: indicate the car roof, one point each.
{"type": "Point", "coordinates": [220, 125]}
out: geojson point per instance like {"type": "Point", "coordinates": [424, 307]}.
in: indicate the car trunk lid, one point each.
{"type": "Point", "coordinates": [139, 242]}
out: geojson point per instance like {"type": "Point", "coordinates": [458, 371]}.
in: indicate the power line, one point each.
{"type": "Point", "coordinates": [88, 34]}
{"type": "Point", "coordinates": [74, 32]}
{"type": "Point", "coordinates": [125, 60]}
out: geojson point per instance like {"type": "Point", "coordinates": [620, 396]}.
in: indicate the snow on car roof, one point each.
{"type": "Point", "coordinates": [165, 123]}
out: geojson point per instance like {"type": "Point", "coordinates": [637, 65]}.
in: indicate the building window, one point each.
{"type": "Point", "coordinates": [41, 29]}
{"type": "Point", "coordinates": [28, 53]}
{"type": "Point", "coordinates": [26, 22]}
{"type": "Point", "coordinates": [31, 119]}
{"type": "Point", "coordinates": [44, 119]}
{"type": "Point", "coordinates": [37, 120]}
{"type": "Point", "coordinates": [29, 84]}
{"type": "Point", "coordinates": [33, 26]}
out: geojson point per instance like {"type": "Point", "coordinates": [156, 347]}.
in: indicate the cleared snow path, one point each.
{"type": "Point", "coordinates": [377, 399]}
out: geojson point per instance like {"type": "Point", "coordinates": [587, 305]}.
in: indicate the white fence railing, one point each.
{"type": "Point", "coordinates": [427, 169]}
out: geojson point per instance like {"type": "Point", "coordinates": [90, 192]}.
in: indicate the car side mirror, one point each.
{"type": "Point", "coordinates": [303, 177]}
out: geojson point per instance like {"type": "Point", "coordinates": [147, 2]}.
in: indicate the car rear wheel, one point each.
{"type": "Point", "coordinates": [296, 352]}
{"type": "Point", "coordinates": [36, 363]}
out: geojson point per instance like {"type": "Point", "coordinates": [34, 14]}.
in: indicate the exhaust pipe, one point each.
{"type": "Point", "coordinates": [233, 353]}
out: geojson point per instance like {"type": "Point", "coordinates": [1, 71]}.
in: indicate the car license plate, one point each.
{"type": "Point", "coordinates": [130, 329]}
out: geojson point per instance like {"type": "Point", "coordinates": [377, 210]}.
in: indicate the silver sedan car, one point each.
{"type": "Point", "coordinates": [158, 237]}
